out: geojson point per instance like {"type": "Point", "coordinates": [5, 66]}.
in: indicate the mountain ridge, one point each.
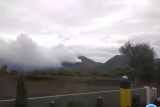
{"type": "Point", "coordinates": [86, 64]}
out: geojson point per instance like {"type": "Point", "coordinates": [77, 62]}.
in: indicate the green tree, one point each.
{"type": "Point", "coordinates": [141, 58]}
{"type": "Point", "coordinates": [21, 97]}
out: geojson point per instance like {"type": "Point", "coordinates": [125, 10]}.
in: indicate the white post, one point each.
{"type": "Point", "coordinates": [148, 94]}
{"type": "Point", "coordinates": [154, 92]}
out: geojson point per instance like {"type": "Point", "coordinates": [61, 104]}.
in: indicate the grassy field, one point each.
{"type": "Point", "coordinates": [59, 85]}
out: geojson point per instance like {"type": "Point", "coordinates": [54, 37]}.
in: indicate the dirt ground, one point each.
{"type": "Point", "coordinates": [57, 86]}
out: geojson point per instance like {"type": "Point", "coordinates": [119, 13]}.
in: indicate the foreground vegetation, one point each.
{"type": "Point", "coordinates": [141, 61]}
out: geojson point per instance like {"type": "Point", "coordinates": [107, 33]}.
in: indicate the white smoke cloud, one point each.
{"type": "Point", "coordinates": [25, 51]}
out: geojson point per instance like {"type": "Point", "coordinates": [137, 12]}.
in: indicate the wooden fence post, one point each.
{"type": "Point", "coordinates": [136, 101]}
{"type": "Point", "coordinates": [99, 102]}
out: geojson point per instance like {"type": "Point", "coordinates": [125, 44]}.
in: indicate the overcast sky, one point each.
{"type": "Point", "coordinates": [94, 28]}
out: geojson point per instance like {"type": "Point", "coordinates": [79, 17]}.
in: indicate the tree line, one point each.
{"type": "Point", "coordinates": [142, 61]}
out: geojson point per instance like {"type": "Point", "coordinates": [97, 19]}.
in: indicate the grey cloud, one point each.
{"type": "Point", "coordinates": [33, 16]}
{"type": "Point", "coordinates": [138, 20]}
{"type": "Point", "coordinates": [26, 52]}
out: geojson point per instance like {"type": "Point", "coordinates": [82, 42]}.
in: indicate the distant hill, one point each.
{"type": "Point", "coordinates": [118, 61]}
{"type": "Point", "coordinates": [86, 64]}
